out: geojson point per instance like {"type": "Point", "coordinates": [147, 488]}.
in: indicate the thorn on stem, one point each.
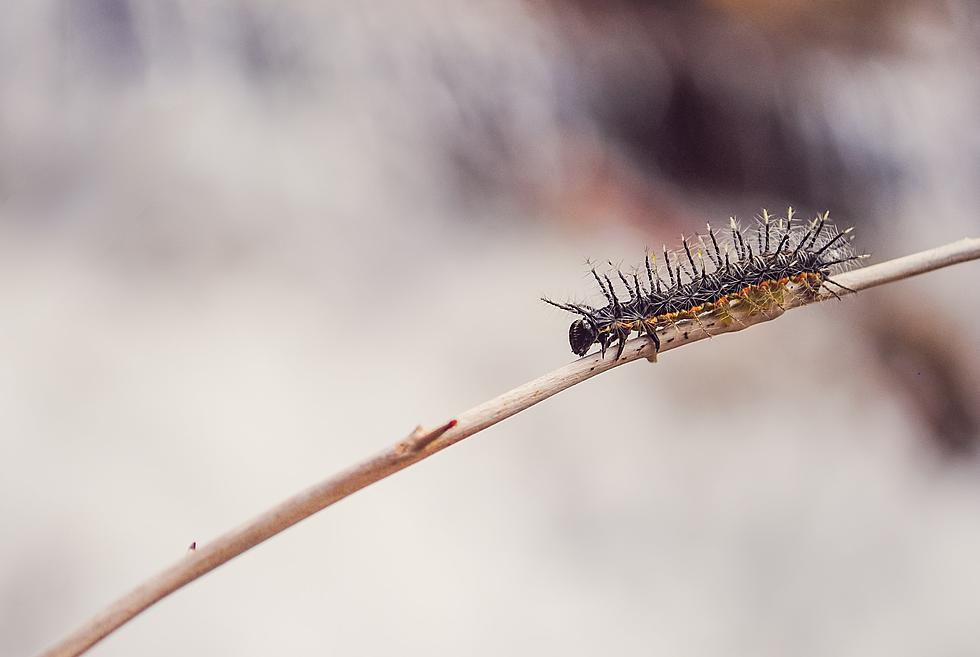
{"type": "Point", "coordinates": [420, 438]}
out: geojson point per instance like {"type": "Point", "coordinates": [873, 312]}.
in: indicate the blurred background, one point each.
{"type": "Point", "coordinates": [246, 243]}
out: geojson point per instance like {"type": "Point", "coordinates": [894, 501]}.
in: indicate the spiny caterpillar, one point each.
{"type": "Point", "coordinates": [788, 259]}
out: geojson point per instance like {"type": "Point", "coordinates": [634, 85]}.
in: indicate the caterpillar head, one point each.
{"type": "Point", "coordinates": [581, 336]}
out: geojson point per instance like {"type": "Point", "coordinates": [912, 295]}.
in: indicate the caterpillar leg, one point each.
{"type": "Point", "coordinates": [769, 296]}
{"type": "Point", "coordinates": [723, 311]}
{"type": "Point", "coordinates": [604, 339]}
{"type": "Point", "coordinates": [756, 308]}
{"type": "Point", "coordinates": [650, 330]}
{"type": "Point", "coordinates": [622, 334]}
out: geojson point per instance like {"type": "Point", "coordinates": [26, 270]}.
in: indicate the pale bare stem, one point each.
{"type": "Point", "coordinates": [422, 443]}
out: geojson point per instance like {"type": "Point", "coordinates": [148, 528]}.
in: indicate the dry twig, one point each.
{"type": "Point", "coordinates": [423, 443]}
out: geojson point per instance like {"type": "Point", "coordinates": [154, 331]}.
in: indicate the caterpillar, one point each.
{"type": "Point", "coordinates": [725, 270]}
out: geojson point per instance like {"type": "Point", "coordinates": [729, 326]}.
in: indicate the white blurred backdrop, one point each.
{"type": "Point", "coordinates": [244, 244]}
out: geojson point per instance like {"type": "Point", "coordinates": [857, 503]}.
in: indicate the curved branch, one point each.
{"type": "Point", "coordinates": [421, 444]}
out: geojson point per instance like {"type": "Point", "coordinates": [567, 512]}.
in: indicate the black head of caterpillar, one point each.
{"type": "Point", "coordinates": [754, 266]}
{"type": "Point", "coordinates": [581, 336]}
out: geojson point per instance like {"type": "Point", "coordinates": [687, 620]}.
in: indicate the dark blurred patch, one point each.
{"type": "Point", "coordinates": [715, 98]}
{"type": "Point", "coordinates": [705, 140]}
{"type": "Point", "coordinates": [272, 46]}
{"type": "Point", "coordinates": [924, 362]}
{"type": "Point", "coordinates": [100, 36]}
